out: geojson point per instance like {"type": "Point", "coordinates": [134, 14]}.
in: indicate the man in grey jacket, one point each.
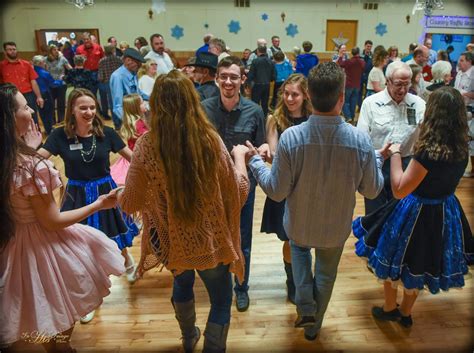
{"type": "Point", "coordinates": [318, 167]}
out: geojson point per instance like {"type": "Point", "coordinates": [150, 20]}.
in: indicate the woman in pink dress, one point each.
{"type": "Point", "coordinates": [52, 270]}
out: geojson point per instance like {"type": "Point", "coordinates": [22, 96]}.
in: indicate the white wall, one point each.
{"type": "Point", "coordinates": [129, 19]}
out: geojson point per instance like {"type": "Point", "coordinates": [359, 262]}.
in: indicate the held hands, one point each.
{"type": "Point", "coordinates": [395, 148]}
{"type": "Point", "coordinates": [33, 136]}
{"type": "Point", "coordinates": [110, 200]}
{"type": "Point", "coordinates": [385, 150]}
{"type": "Point", "coordinates": [264, 152]}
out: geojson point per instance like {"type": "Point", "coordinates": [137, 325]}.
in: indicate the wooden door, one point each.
{"type": "Point", "coordinates": [341, 31]}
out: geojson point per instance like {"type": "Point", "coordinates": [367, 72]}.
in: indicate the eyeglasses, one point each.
{"type": "Point", "coordinates": [233, 78]}
{"type": "Point", "coordinates": [399, 84]}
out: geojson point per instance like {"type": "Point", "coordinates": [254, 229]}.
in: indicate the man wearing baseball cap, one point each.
{"type": "Point", "coordinates": [124, 81]}
{"type": "Point", "coordinates": [204, 73]}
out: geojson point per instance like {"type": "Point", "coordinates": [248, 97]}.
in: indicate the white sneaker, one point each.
{"type": "Point", "coordinates": [87, 318]}
{"type": "Point", "coordinates": [469, 174]}
{"type": "Point", "coordinates": [130, 270]}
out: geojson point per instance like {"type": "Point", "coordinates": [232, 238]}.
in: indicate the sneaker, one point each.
{"type": "Point", "coordinates": [469, 174]}
{"type": "Point", "coordinates": [130, 270]}
{"type": "Point", "coordinates": [87, 318]}
{"type": "Point", "coordinates": [380, 314]}
{"type": "Point", "coordinates": [305, 321]}
{"type": "Point", "coordinates": [406, 321]}
{"type": "Point", "coordinates": [242, 301]}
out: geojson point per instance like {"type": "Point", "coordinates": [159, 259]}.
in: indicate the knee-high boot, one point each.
{"type": "Point", "coordinates": [215, 338]}
{"type": "Point", "coordinates": [185, 313]}
{"type": "Point", "coordinates": [290, 283]}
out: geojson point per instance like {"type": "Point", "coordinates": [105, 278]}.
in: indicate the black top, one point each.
{"type": "Point", "coordinates": [76, 169]}
{"type": "Point", "coordinates": [442, 178]}
{"type": "Point", "coordinates": [208, 89]}
{"type": "Point", "coordinates": [262, 70]}
{"type": "Point", "coordinates": [294, 122]}
{"type": "Point", "coordinates": [245, 122]}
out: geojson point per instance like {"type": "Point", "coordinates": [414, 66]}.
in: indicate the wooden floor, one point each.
{"type": "Point", "coordinates": [140, 318]}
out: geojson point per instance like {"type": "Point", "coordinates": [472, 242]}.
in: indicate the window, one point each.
{"type": "Point", "coordinates": [242, 3]}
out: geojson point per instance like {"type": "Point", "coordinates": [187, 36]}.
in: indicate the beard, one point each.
{"type": "Point", "coordinates": [12, 56]}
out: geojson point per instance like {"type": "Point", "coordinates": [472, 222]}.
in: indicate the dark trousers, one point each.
{"type": "Point", "coordinates": [218, 282]}
{"type": "Point", "coordinates": [31, 100]}
{"type": "Point", "coordinates": [261, 94]}
{"type": "Point", "coordinates": [58, 94]}
{"type": "Point", "coordinates": [246, 224]}
{"type": "Point", "coordinates": [105, 99]}
{"type": "Point", "coordinates": [276, 88]}
{"type": "Point", "coordinates": [47, 112]}
{"type": "Point", "coordinates": [386, 193]}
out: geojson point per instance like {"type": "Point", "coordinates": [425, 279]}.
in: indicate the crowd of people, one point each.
{"type": "Point", "coordinates": [194, 143]}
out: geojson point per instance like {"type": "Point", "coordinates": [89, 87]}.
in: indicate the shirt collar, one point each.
{"type": "Point", "coordinates": [237, 107]}
{"type": "Point", "coordinates": [336, 120]}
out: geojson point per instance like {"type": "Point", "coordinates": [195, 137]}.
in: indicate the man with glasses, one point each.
{"type": "Point", "coordinates": [392, 115]}
{"type": "Point", "coordinates": [238, 119]}
{"type": "Point", "coordinates": [421, 56]}
{"type": "Point", "coordinates": [124, 81]}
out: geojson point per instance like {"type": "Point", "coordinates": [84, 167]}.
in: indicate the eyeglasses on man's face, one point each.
{"type": "Point", "coordinates": [225, 77]}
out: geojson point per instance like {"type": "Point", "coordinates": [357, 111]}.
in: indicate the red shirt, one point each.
{"type": "Point", "coordinates": [19, 72]}
{"type": "Point", "coordinates": [426, 72]}
{"type": "Point", "coordinates": [354, 68]}
{"type": "Point", "coordinates": [93, 55]}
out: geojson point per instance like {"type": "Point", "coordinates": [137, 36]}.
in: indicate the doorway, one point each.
{"type": "Point", "coordinates": [341, 32]}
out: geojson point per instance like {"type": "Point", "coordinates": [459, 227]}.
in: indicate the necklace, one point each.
{"type": "Point", "coordinates": [88, 156]}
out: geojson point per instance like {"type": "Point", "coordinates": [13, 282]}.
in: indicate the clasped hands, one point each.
{"type": "Point", "coordinates": [247, 151]}
{"type": "Point", "coordinates": [389, 149]}
{"type": "Point", "coordinates": [109, 200]}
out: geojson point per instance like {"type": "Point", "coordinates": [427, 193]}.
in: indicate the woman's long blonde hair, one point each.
{"type": "Point", "coordinates": [186, 142]}
{"type": "Point", "coordinates": [131, 113]}
{"type": "Point", "coordinates": [281, 114]}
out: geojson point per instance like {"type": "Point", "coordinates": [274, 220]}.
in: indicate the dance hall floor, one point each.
{"type": "Point", "coordinates": [140, 318]}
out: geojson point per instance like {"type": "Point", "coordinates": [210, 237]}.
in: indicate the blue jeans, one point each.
{"type": "Point", "coordinates": [313, 292]}
{"type": "Point", "coordinates": [59, 101]}
{"type": "Point", "coordinates": [218, 282]}
{"type": "Point", "coordinates": [350, 102]}
{"type": "Point", "coordinates": [31, 100]}
{"type": "Point", "coordinates": [246, 224]}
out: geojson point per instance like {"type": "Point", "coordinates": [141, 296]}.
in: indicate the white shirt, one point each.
{"type": "Point", "coordinates": [164, 62]}
{"type": "Point", "coordinates": [386, 121]}
{"type": "Point", "coordinates": [465, 83]}
{"type": "Point", "coordinates": [145, 84]}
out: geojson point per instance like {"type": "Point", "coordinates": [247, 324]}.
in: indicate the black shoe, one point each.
{"type": "Point", "coordinates": [242, 301]}
{"type": "Point", "coordinates": [305, 321]}
{"type": "Point", "coordinates": [380, 314]}
{"type": "Point", "coordinates": [309, 337]}
{"type": "Point", "coordinates": [290, 284]}
{"type": "Point", "coordinates": [406, 321]}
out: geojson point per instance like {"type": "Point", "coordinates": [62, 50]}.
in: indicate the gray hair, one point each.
{"type": "Point", "coordinates": [38, 59]}
{"type": "Point", "coordinates": [440, 69]}
{"type": "Point", "coordinates": [395, 66]}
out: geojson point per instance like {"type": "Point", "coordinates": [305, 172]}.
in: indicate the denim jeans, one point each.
{"type": "Point", "coordinates": [246, 224]}
{"type": "Point", "coordinates": [59, 101]}
{"type": "Point", "coordinates": [313, 292]}
{"type": "Point", "coordinates": [350, 102]}
{"type": "Point", "coordinates": [218, 282]}
{"type": "Point", "coordinates": [105, 98]}
{"type": "Point", "coordinates": [31, 100]}
{"type": "Point", "coordinates": [47, 112]}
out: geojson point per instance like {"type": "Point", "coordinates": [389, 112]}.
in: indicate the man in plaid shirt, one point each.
{"type": "Point", "coordinates": [107, 65]}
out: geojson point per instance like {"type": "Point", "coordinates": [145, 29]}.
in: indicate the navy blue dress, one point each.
{"type": "Point", "coordinates": [424, 239]}
{"type": "Point", "coordinates": [272, 218]}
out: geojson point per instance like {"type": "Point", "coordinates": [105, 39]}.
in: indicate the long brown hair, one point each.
{"type": "Point", "coordinates": [186, 142]}
{"type": "Point", "coordinates": [11, 147]}
{"type": "Point", "coordinates": [70, 119]}
{"type": "Point", "coordinates": [444, 130]}
{"type": "Point", "coordinates": [281, 114]}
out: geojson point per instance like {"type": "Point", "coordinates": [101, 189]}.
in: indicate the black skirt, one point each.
{"type": "Point", "coordinates": [272, 219]}
{"type": "Point", "coordinates": [422, 242]}
{"type": "Point", "coordinates": [113, 222]}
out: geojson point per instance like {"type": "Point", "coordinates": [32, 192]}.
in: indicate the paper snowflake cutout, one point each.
{"type": "Point", "coordinates": [177, 32]}
{"type": "Point", "coordinates": [264, 17]}
{"type": "Point", "coordinates": [234, 26]}
{"type": "Point", "coordinates": [292, 30]}
{"type": "Point", "coordinates": [381, 29]}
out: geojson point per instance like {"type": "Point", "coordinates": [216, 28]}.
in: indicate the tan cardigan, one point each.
{"type": "Point", "coordinates": [214, 239]}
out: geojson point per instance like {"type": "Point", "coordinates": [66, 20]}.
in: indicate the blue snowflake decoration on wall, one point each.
{"type": "Point", "coordinates": [234, 26]}
{"type": "Point", "coordinates": [381, 29]}
{"type": "Point", "coordinates": [264, 17]}
{"type": "Point", "coordinates": [177, 32]}
{"type": "Point", "coordinates": [292, 30]}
